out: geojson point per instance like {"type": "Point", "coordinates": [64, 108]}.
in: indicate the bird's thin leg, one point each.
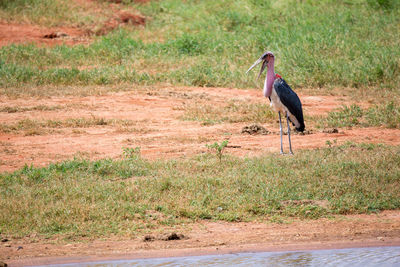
{"type": "Point", "coordinates": [288, 132]}
{"type": "Point", "coordinates": [280, 130]}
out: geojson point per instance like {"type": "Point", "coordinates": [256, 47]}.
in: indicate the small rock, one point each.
{"type": "Point", "coordinates": [380, 238]}
{"type": "Point", "coordinates": [3, 264]}
{"type": "Point", "coordinates": [4, 240]}
{"type": "Point", "coordinates": [148, 238]}
{"type": "Point", "coordinates": [54, 35]}
{"type": "Point", "coordinates": [7, 245]}
{"type": "Point", "coordinates": [174, 236]}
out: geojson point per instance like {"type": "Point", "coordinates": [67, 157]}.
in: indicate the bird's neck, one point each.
{"type": "Point", "coordinates": [269, 79]}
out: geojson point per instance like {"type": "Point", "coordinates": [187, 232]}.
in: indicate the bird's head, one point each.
{"type": "Point", "coordinates": [266, 58]}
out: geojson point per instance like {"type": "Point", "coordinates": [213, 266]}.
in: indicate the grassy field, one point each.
{"type": "Point", "coordinates": [132, 195]}
{"type": "Point", "coordinates": [328, 45]}
{"type": "Point", "coordinates": [211, 43]}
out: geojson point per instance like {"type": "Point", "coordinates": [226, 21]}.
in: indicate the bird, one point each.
{"type": "Point", "coordinates": [282, 98]}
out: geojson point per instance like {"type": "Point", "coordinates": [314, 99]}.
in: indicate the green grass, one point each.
{"type": "Point", "coordinates": [131, 195]}
{"type": "Point", "coordinates": [323, 44]}
{"type": "Point", "coordinates": [387, 115]}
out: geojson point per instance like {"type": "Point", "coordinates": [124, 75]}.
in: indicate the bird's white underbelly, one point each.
{"type": "Point", "coordinates": [276, 103]}
{"type": "Point", "coordinates": [278, 106]}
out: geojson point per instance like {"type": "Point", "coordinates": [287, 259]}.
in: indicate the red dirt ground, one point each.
{"type": "Point", "coordinates": [22, 34]}
{"type": "Point", "coordinates": [207, 237]}
{"type": "Point", "coordinates": [14, 33]}
{"type": "Point", "coordinates": [157, 127]}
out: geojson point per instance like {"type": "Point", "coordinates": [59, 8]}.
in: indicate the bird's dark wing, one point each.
{"type": "Point", "coordinates": [290, 99]}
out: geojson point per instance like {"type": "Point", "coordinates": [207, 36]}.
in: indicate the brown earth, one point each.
{"type": "Point", "coordinates": [156, 126]}
{"type": "Point", "coordinates": [11, 33]}
{"type": "Point", "coordinates": [207, 237]}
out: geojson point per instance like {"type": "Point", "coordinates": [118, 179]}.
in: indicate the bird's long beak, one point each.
{"type": "Point", "coordinates": [265, 62]}
{"type": "Point", "coordinates": [255, 64]}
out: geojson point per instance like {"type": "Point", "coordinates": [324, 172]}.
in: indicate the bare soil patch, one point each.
{"type": "Point", "coordinates": [154, 123]}
{"type": "Point", "coordinates": [206, 237]}
{"type": "Point", "coordinates": [15, 33]}
{"type": "Point", "coordinates": [22, 33]}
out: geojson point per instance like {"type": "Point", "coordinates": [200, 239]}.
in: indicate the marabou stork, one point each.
{"type": "Point", "coordinates": [283, 98]}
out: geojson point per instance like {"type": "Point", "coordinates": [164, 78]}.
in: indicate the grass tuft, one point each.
{"type": "Point", "coordinates": [387, 115]}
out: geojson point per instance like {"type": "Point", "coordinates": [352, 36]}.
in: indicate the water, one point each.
{"type": "Point", "coordinates": [375, 256]}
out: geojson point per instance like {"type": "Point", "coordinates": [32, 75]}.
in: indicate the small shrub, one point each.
{"type": "Point", "coordinates": [219, 148]}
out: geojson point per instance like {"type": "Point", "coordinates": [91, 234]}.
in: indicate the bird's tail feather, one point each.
{"type": "Point", "coordinates": [301, 128]}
